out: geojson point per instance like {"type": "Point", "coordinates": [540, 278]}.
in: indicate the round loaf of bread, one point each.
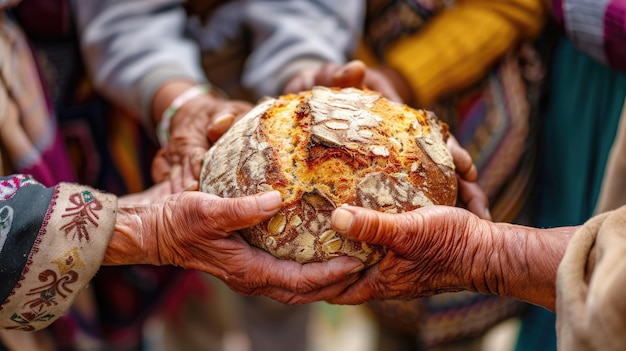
{"type": "Point", "coordinates": [327, 147]}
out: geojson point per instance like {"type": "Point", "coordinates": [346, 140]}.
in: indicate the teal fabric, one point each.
{"type": "Point", "coordinates": [584, 105]}
{"type": "Point", "coordinates": [585, 102]}
{"type": "Point", "coordinates": [537, 332]}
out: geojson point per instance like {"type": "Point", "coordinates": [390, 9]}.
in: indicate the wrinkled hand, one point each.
{"type": "Point", "coordinates": [196, 125]}
{"type": "Point", "coordinates": [352, 74]}
{"type": "Point", "coordinates": [471, 196]}
{"type": "Point", "coordinates": [195, 230]}
{"type": "Point", "coordinates": [431, 250]}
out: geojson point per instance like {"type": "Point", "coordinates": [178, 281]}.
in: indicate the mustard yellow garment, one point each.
{"type": "Point", "coordinates": [459, 44]}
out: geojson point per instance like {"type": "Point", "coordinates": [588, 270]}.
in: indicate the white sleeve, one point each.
{"type": "Point", "coordinates": [289, 35]}
{"type": "Point", "coordinates": [131, 47]}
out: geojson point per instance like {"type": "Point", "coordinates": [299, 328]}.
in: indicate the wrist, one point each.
{"type": "Point", "coordinates": [185, 94]}
{"type": "Point", "coordinates": [130, 243]}
{"type": "Point", "coordinates": [522, 263]}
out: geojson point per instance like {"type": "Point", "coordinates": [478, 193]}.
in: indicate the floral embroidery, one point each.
{"type": "Point", "coordinates": [36, 309]}
{"type": "Point", "coordinates": [10, 186]}
{"type": "Point", "coordinates": [84, 210]}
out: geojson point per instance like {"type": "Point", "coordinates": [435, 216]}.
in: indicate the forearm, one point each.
{"type": "Point", "coordinates": [164, 96]}
{"type": "Point", "coordinates": [129, 244]}
{"type": "Point", "coordinates": [521, 262]}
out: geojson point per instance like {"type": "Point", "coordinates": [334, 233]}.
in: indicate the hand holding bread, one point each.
{"type": "Point", "coordinates": [327, 147]}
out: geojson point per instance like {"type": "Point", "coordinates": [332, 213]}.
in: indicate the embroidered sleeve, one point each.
{"type": "Point", "coordinates": [52, 241]}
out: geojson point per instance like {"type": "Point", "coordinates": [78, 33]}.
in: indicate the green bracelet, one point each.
{"type": "Point", "coordinates": [163, 128]}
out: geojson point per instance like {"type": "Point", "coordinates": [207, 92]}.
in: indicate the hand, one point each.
{"type": "Point", "coordinates": [197, 124]}
{"type": "Point", "coordinates": [353, 74]}
{"type": "Point", "coordinates": [430, 251]}
{"type": "Point", "coordinates": [437, 249]}
{"type": "Point", "coordinates": [195, 230]}
{"type": "Point", "coordinates": [471, 196]}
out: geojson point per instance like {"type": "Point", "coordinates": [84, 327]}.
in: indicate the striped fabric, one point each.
{"type": "Point", "coordinates": [597, 27]}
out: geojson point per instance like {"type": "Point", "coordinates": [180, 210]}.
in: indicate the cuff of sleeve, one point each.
{"type": "Point", "coordinates": [67, 253]}
{"type": "Point", "coordinates": [590, 285]}
{"type": "Point", "coordinates": [584, 23]}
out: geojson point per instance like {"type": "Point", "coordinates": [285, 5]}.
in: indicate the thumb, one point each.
{"type": "Point", "coordinates": [160, 168]}
{"type": "Point", "coordinates": [351, 75]}
{"type": "Point", "coordinates": [220, 125]}
{"type": "Point", "coordinates": [195, 162]}
{"type": "Point", "coordinates": [462, 160]}
{"type": "Point", "coordinates": [370, 226]}
{"type": "Point", "coordinates": [247, 211]}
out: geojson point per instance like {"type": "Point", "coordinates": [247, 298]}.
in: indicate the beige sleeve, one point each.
{"type": "Point", "coordinates": [66, 254]}
{"type": "Point", "coordinates": [591, 286]}
{"type": "Point", "coordinates": [613, 191]}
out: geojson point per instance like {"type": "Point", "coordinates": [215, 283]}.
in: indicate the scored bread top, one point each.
{"type": "Point", "coordinates": [323, 148]}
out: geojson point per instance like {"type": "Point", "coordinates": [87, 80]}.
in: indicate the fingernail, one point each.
{"type": "Point", "coordinates": [224, 120]}
{"type": "Point", "coordinates": [341, 219]}
{"type": "Point", "coordinates": [192, 186]}
{"type": "Point", "coordinates": [270, 201]}
{"type": "Point", "coordinates": [487, 213]}
{"type": "Point", "coordinates": [357, 269]}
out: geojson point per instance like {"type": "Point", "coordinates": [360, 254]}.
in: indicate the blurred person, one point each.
{"type": "Point", "coordinates": [473, 63]}
{"type": "Point", "coordinates": [30, 138]}
{"type": "Point", "coordinates": [248, 49]}
{"type": "Point", "coordinates": [581, 122]}
{"type": "Point", "coordinates": [59, 130]}
{"type": "Point", "coordinates": [159, 60]}
{"type": "Point", "coordinates": [144, 54]}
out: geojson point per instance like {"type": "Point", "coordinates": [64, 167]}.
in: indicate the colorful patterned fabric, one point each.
{"type": "Point", "coordinates": [496, 120]}
{"type": "Point", "coordinates": [490, 114]}
{"type": "Point", "coordinates": [444, 46]}
{"type": "Point", "coordinates": [446, 318]}
{"type": "Point", "coordinates": [50, 248]}
{"type": "Point", "coordinates": [389, 20]}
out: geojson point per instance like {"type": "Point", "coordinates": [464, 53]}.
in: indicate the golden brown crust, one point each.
{"type": "Point", "coordinates": [324, 148]}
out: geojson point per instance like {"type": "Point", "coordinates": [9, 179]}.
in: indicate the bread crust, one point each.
{"type": "Point", "coordinates": [327, 147]}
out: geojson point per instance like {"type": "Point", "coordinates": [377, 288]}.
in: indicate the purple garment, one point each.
{"type": "Point", "coordinates": [596, 27]}
{"type": "Point", "coordinates": [615, 34]}
{"type": "Point", "coordinates": [33, 118]}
